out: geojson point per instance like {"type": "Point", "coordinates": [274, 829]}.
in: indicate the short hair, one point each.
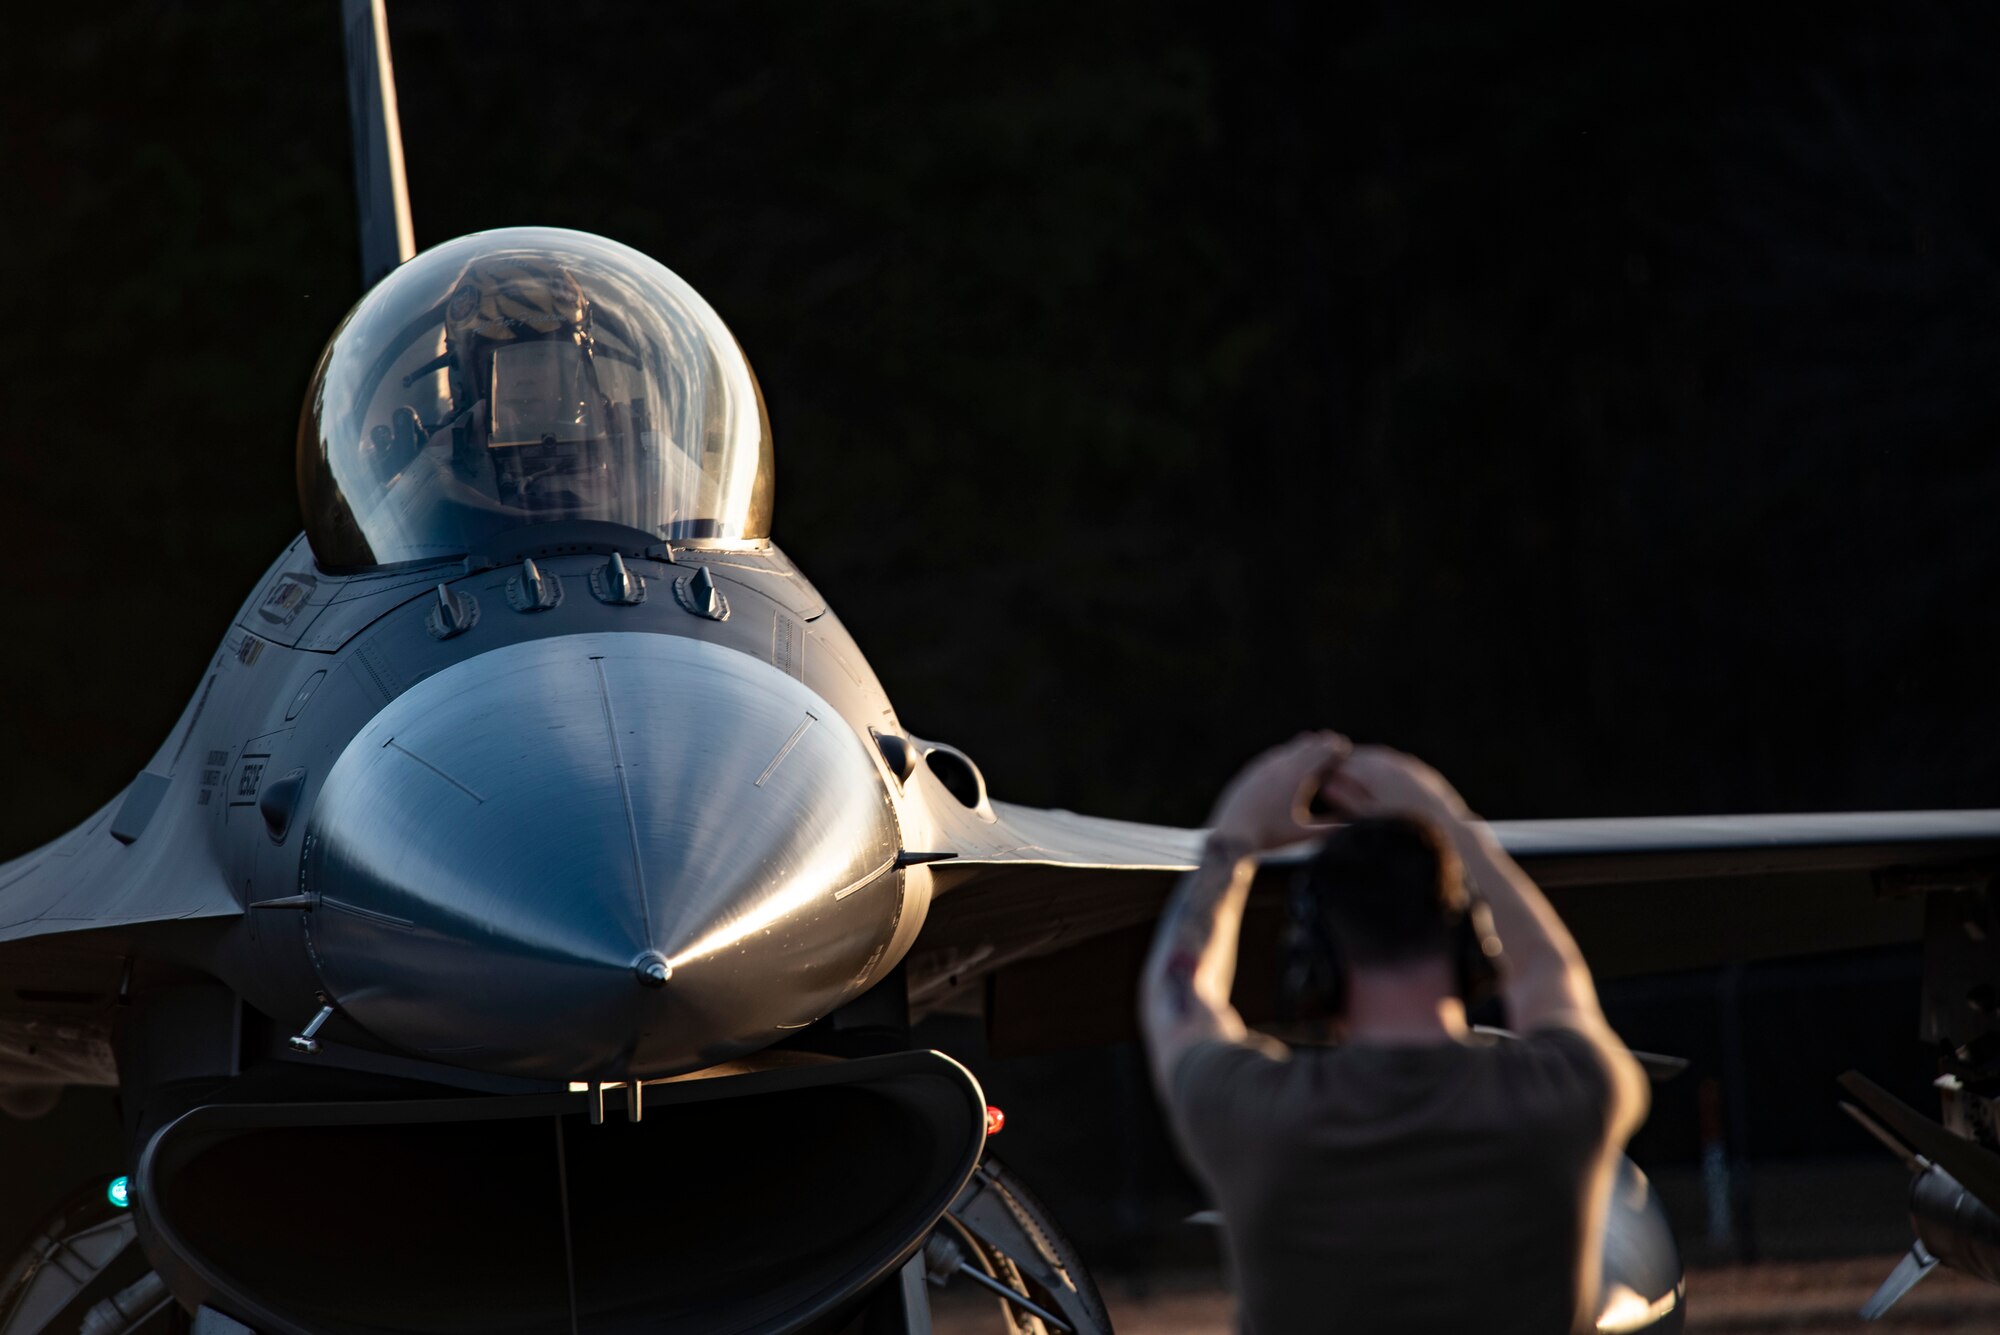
{"type": "Point", "coordinates": [1389, 890]}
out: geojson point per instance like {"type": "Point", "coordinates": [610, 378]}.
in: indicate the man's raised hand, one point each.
{"type": "Point", "coordinates": [1264, 806]}
{"type": "Point", "coordinates": [1379, 781]}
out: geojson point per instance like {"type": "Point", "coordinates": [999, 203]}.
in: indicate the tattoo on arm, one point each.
{"type": "Point", "coordinates": [1199, 925]}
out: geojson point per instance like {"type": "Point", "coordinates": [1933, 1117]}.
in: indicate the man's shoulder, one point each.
{"type": "Point", "coordinates": [1232, 1104]}
{"type": "Point", "coordinates": [1555, 1072]}
{"type": "Point", "coordinates": [1221, 1080]}
{"type": "Point", "coordinates": [1568, 1043]}
{"type": "Point", "coordinates": [1562, 1046]}
{"type": "Point", "coordinates": [1216, 1063]}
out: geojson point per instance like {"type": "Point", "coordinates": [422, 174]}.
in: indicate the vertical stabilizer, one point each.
{"type": "Point", "coordinates": [381, 191]}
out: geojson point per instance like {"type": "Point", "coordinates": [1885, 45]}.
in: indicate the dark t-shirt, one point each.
{"type": "Point", "coordinates": [1438, 1187]}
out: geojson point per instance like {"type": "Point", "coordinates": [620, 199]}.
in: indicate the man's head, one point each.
{"type": "Point", "coordinates": [1383, 907]}
{"type": "Point", "coordinates": [1388, 891]}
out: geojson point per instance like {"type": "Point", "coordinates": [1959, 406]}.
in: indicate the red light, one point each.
{"type": "Point", "coordinates": [995, 1119]}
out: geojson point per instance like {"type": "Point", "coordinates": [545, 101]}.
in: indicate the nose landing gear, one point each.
{"type": "Point", "coordinates": [997, 1235]}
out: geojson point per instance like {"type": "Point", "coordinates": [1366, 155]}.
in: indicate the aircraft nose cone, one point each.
{"type": "Point", "coordinates": [596, 856]}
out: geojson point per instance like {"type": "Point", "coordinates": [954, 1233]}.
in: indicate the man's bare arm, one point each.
{"type": "Point", "coordinates": [1546, 983]}
{"type": "Point", "coordinates": [1184, 990]}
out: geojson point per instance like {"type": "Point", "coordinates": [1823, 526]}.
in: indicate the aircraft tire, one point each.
{"type": "Point", "coordinates": [103, 1281]}
{"type": "Point", "coordinates": [1047, 1237]}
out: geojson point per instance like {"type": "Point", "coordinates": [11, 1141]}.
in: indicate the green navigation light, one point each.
{"type": "Point", "coordinates": [119, 1193]}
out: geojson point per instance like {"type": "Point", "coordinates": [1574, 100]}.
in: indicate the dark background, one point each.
{"type": "Point", "coordinates": [1599, 401]}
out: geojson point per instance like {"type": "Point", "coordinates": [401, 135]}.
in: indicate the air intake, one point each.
{"type": "Point", "coordinates": [769, 1202]}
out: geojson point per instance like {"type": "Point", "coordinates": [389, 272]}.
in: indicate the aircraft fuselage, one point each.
{"type": "Point", "coordinates": [564, 823]}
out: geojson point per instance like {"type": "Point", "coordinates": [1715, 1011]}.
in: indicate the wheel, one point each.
{"type": "Point", "coordinates": [999, 1228]}
{"type": "Point", "coordinates": [83, 1270]}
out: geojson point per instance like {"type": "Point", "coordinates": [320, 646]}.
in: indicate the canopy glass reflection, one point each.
{"type": "Point", "coordinates": [529, 376]}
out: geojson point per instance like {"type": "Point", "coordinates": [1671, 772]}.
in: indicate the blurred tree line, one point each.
{"type": "Point", "coordinates": [1597, 400]}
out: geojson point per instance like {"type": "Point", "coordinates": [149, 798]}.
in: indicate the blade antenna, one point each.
{"type": "Point", "coordinates": [380, 188]}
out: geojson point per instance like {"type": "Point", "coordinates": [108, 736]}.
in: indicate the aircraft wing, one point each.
{"type": "Point", "coordinates": [73, 911]}
{"type": "Point", "coordinates": [1053, 910]}
{"type": "Point", "coordinates": [1035, 881]}
{"type": "Point", "coordinates": [104, 877]}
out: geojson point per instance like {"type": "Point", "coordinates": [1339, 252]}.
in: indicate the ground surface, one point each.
{"type": "Point", "coordinates": [1796, 1298]}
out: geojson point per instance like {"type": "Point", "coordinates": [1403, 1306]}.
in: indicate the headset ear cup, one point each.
{"type": "Point", "coordinates": [1335, 991]}
{"type": "Point", "coordinates": [1315, 978]}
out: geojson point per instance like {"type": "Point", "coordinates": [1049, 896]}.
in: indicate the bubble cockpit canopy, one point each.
{"type": "Point", "coordinates": [527, 376]}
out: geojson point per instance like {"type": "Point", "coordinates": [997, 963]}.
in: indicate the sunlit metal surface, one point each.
{"type": "Point", "coordinates": [490, 895]}
{"type": "Point", "coordinates": [1640, 1286]}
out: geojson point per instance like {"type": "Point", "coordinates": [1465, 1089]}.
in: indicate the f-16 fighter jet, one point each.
{"type": "Point", "coordinates": [521, 928]}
